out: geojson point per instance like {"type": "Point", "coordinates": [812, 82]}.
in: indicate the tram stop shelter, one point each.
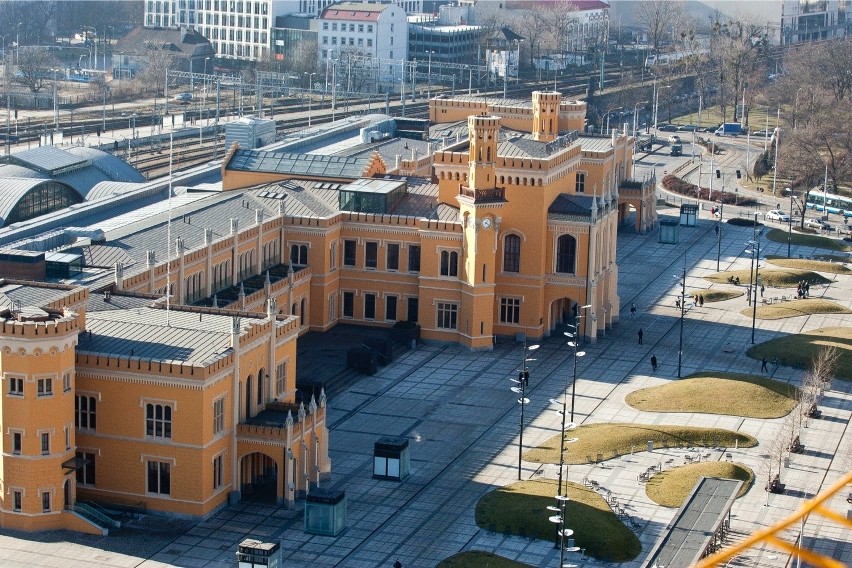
{"type": "Point", "coordinates": [700, 526]}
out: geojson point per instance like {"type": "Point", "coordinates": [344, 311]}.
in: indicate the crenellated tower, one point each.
{"type": "Point", "coordinates": [545, 115]}
{"type": "Point", "coordinates": [37, 362]}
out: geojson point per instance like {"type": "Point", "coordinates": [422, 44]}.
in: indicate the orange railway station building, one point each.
{"type": "Point", "coordinates": [168, 382]}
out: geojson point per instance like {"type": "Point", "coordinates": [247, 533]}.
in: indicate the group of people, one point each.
{"type": "Point", "coordinates": [698, 299]}
{"type": "Point", "coordinates": [734, 280]}
{"type": "Point", "coordinates": [803, 290]}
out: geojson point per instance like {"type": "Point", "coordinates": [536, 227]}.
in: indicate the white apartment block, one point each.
{"type": "Point", "coordinates": [377, 30]}
{"type": "Point", "coordinates": [240, 29]}
{"type": "Point", "coordinates": [811, 20]}
{"type": "Point", "coordinates": [315, 7]}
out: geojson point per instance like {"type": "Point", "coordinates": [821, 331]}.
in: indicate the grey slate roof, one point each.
{"type": "Point", "coordinates": [28, 295]}
{"type": "Point", "coordinates": [320, 199]}
{"type": "Point", "coordinates": [143, 332]}
{"type": "Point", "coordinates": [298, 164]}
{"type": "Point", "coordinates": [45, 159]}
{"type": "Point", "coordinates": [568, 204]}
{"type": "Point", "coordinates": [595, 143]}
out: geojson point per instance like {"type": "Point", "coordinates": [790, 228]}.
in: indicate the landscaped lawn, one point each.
{"type": "Point", "coordinates": [521, 509]}
{"type": "Point", "coordinates": [795, 308]}
{"type": "Point", "coordinates": [808, 264]}
{"type": "Point", "coordinates": [715, 392]}
{"type": "Point", "coordinates": [780, 236]}
{"type": "Point", "coordinates": [787, 278]}
{"type": "Point", "coordinates": [616, 439]}
{"type": "Point", "coordinates": [721, 295]}
{"type": "Point", "coordinates": [798, 350]}
{"type": "Point", "coordinates": [479, 559]}
{"type": "Point", "coordinates": [671, 488]}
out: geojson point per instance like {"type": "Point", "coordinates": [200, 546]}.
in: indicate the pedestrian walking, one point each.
{"type": "Point", "coordinates": [762, 290]}
{"type": "Point", "coordinates": [654, 362]}
{"type": "Point", "coordinates": [640, 336]}
{"type": "Point", "coordinates": [763, 366]}
{"type": "Point", "coordinates": [397, 564]}
{"type": "Point", "coordinates": [807, 290]}
{"type": "Point", "coordinates": [701, 300]}
{"type": "Point", "coordinates": [632, 311]}
{"type": "Point", "coordinates": [677, 304]}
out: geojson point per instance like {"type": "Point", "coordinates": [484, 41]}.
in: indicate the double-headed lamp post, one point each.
{"type": "Point", "coordinates": [755, 251]}
{"type": "Point", "coordinates": [682, 313]}
{"type": "Point", "coordinates": [522, 382]}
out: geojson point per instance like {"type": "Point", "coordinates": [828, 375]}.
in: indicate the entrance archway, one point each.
{"type": "Point", "coordinates": [259, 478]}
{"type": "Point", "coordinates": [562, 312]}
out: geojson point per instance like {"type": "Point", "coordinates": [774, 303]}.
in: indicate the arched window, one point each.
{"type": "Point", "coordinates": [512, 253]}
{"type": "Point", "coordinates": [299, 255]}
{"type": "Point", "coordinates": [43, 198]}
{"type": "Point", "coordinates": [566, 254]}
{"type": "Point", "coordinates": [449, 263]}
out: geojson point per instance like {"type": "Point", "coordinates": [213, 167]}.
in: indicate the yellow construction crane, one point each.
{"type": "Point", "coordinates": [771, 535]}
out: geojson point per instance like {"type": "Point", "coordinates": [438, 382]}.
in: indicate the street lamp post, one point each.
{"type": "Point", "coordinates": [635, 109]}
{"type": "Point", "coordinates": [310, 93]}
{"type": "Point", "coordinates": [429, 76]}
{"type": "Point", "coordinates": [469, 80]}
{"type": "Point", "coordinates": [17, 42]}
{"type": "Point", "coordinates": [682, 313]}
{"type": "Point", "coordinates": [756, 256]}
{"type": "Point", "coordinates": [523, 380]}
{"type": "Point", "coordinates": [607, 118]}
{"type": "Point", "coordinates": [790, 224]}
{"type": "Point", "coordinates": [657, 100]}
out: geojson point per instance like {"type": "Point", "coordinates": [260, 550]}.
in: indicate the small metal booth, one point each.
{"type": "Point", "coordinates": [689, 214]}
{"type": "Point", "coordinates": [252, 553]}
{"type": "Point", "coordinates": [391, 459]}
{"type": "Point", "coordinates": [325, 512]}
{"type": "Point", "coordinates": [669, 231]}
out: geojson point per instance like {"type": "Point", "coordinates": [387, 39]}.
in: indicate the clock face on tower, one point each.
{"type": "Point", "coordinates": [486, 223]}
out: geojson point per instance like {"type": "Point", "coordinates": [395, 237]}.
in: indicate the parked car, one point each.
{"type": "Point", "coordinates": [687, 128]}
{"type": "Point", "coordinates": [777, 215]}
{"type": "Point", "coordinates": [817, 224]}
{"type": "Point", "coordinates": [674, 139]}
{"type": "Point", "coordinates": [667, 128]}
{"type": "Point", "coordinates": [762, 133]}
{"type": "Point", "coordinates": [183, 98]}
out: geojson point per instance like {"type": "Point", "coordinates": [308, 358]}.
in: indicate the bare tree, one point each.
{"type": "Point", "coordinates": [36, 68]}
{"type": "Point", "coordinates": [659, 17]}
{"type": "Point", "coordinates": [741, 51]}
{"type": "Point", "coordinates": [157, 62]}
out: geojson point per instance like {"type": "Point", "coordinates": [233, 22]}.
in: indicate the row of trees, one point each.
{"type": "Point", "coordinates": [816, 381]}
{"type": "Point", "coordinates": [815, 98]}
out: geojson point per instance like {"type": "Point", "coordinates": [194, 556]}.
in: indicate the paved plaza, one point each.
{"type": "Point", "coordinates": [456, 409]}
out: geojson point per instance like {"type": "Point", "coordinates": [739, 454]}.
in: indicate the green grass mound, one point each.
{"type": "Point", "coordinates": [671, 488]}
{"type": "Point", "coordinates": [799, 350]}
{"type": "Point", "coordinates": [479, 559]}
{"type": "Point", "coordinates": [721, 295]}
{"type": "Point", "coordinates": [829, 257]}
{"type": "Point", "coordinates": [734, 394]}
{"type": "Point", "coordinates": [616, 439]}
{"type": "Point", "coordinates": [795, 308]}
{"type": "Point", "coordinates": [788, 278]}
{"type": "Point", "coordinates": [521, 509]}
{"type": "Point", "coordinates": [808, 264]}
{"type": "Point", "coordinates": [780, 236]}
{"type": "Point", "coordinates": [743, 222]}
